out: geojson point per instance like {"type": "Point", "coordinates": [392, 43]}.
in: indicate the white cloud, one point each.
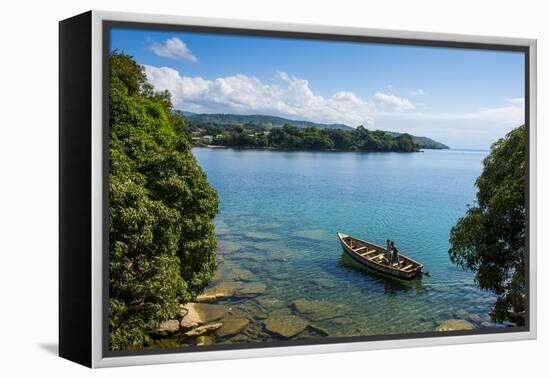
{"type": "Point", "coordinates": [284, 77]}
{"type": "Point", "coordinates": [418, 92]}
{"type": "Point", "coordinates": [249, 95]}
{"type": "Point", "coordinates": [392, 102]}
{"type": "Point", "coordinates": [516, 101]}
{"type": "Point", "coordinates": [173, 48]}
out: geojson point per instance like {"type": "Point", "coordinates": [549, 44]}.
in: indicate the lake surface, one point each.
{"type": "Point", "coordinates": [279, 214]}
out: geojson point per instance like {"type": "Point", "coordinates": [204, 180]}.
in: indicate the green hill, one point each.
{"type": "Point", "coordinates": [425, 143]}
{"type": "Point", "coordinates": [429, 144]}
{"type": "Point", "coordinates": [257, 120]}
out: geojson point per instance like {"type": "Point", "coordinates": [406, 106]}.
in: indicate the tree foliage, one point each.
{"type": "Point", "coordinates": [315, 138]}
{"type": "Point", "coordinates": [490, 238]}
{"type": "Point", "coordinates": [161, 234]}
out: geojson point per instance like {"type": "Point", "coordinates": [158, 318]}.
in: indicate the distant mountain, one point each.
{"type": "Point", "coordinates": [272, 121]}
{"type": "Point", "coordinates": [429, 144]}
{"type": "Point", "coordinates": [185, 113]}
{"type": "Point", "coordinates": [258, 120]}
{"type": "Point", "coordinates": [424, 142]}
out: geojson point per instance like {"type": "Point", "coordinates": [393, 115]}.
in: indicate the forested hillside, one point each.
{"type": "Point", "coordinates": [313, 138]}
{"type": "Point", "coordinates": [161, 208]}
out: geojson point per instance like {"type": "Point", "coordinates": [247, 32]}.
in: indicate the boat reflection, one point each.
{"type": "Point", "coordinates": [392, 285]}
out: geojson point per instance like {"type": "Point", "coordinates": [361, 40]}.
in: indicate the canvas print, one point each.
{"type": "Point", "coordinates": [266, 190]}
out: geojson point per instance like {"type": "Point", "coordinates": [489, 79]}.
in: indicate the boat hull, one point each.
{"type": "Point", "coordinates": [378, 267]}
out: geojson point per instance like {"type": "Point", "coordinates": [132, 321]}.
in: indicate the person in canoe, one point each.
{"type": "Point", "coordinates": [388, 254]}
{"type": "Point", "coordinates": [395, 256]}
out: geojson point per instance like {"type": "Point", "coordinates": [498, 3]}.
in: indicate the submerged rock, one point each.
{"type": "Point", "coordinates": [315, 310]}
{"type": "Point", "coordinates": [325, 283]}
{"type": "Point", "coordinates": [269, 302]}
{"type": "Point", "coordinates": [168, 327]}
{"type": "Point", "coordinates": [250, 256]}
{"type": "Point", "coordinates": [276, 258]}
{"type": "Point", "coordinates": [306, 307]}
{"type": "Point", "coordinates": [205, 340]}
{"type": "Point", "coordinates": [218, 276]}
{"type": "Point", "coordinates": [241, 275]}
{"type": "Point", "coordinates": [231, 327]}
{"type": "Point", "coordinates": [250, 290]}
{"type": "Point", "coordinates": [202, 313]}
{"type": "Point", "coordinates": [221, 228]}
{"type": "Point", "coordinates": [343, 321]}
{"type": "Point", "coordinates": [223, 289]}
{"type": "Point", "coordinates": [240, 338]}
{"type": "Point", "coordinates": [203, 329]}
{"type": "Point", "coordinates": [281, 277]}
{"type": "Point", "coordinates": [455, 325]}
{"type": "Point", "coordinates": [461, 314]}
{"type": "Point", "coordinates": [236, 289]}
{"type": "Point", "coordinates": [474, 318]}
{"type": "Point", "coordinates": [320, 330]}
{"type": "Point", "coordinates": [285, 325]}
{"type": "Point", "coordinates": [228, 246]}
{"type": "Point", "coordinates": [312, 234]}
{"type": "Point", "coordinates": [259, 235]}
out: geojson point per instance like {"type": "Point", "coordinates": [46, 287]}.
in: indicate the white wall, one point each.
{"type": "Point", "coordinates": [28, 207]}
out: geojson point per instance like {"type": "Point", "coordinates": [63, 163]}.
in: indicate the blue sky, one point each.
{"type": "Point", "coordinates": [464, 98]}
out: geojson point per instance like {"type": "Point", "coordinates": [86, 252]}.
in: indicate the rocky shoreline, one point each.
{"type": "Point", "coordinates": [207, 322]}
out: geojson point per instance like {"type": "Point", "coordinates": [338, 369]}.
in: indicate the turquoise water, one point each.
{"type": "Point", "coordinates": [279, 214]}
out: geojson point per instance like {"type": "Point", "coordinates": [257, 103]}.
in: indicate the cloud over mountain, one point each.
{"type": "Point", "coordinates": [289, 97]}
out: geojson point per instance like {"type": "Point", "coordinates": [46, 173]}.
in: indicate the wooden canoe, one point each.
{"type": "Point", "coordinates": [372, 256]}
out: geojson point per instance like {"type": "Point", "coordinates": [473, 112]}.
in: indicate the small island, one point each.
{"type": "Point", "coordinates": [262, 132]}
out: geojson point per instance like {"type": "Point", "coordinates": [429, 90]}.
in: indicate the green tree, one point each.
{"type": "Point", "coordinates": [276, 137]}
{"type": "Point", "coordinates": [342, 139]}
{"type": "Point", "coordinates": [238, 128]}
{"type": "Point", "coordinates": [161, 235]}
{"type": "Point", "coordinates": [490, 239]}
{"type": "Point", "coordinates": [291, 130]}
{"type": "Point", "coordinates": [405, 143]}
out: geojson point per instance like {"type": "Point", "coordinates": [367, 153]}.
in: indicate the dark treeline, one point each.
{"type": "Point", "coordinates": [312, 138]}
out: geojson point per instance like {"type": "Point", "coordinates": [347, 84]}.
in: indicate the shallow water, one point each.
{"type": "Point", "coordinates": [279, 214]}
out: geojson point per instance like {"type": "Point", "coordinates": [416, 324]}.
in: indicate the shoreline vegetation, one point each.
{"type": "Point", "coordinates": [290, 137]}
{"type": "Point", "coordinates": [223, 129]}
{"type": "Point", "coordinates": [286, 149]}
{"type": "Point", "coordinates": [306, 138]}
{"type": "Point", "coordinates": [163, 249]}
